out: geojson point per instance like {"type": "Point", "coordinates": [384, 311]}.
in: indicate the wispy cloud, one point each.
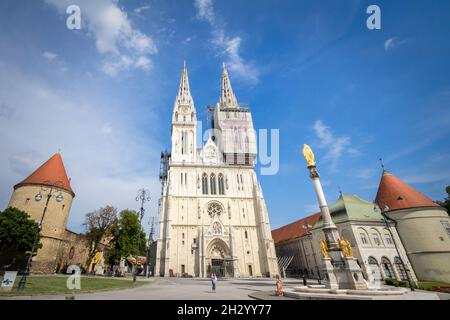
{"type": "Point", "coordinates": [101, 149]}
{"type": "Point", "coordinates": [390, 43]}
{"type": "Point", "coordinates": [121, 45]}
{"type": "Point", "coordinates": [228, 46]}
{"type": "Point", "coordinates": [50, 56]}
{"type": "Point", "coordinates": [335, 146]}
{"type": "Point", "coordinates": [138, 10]}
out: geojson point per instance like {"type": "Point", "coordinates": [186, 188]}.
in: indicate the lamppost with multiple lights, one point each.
{"type": "Point", "coordinates": [38, 197]}
{"type": "Point", "coordinates": [143, 196]}
{"type": "Point", "coordinates": [308, 228]}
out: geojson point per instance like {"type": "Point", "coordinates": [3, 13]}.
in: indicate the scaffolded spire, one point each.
{"type": "Point", "coordinates": [184, 94]}
{"type": "Point", "coordinates": [228, 99]}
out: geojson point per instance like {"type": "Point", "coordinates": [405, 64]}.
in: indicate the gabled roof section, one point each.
{"type": "Point", "coordinates": [294, 230]}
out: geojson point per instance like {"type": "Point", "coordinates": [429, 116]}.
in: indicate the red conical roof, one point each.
{"type": "Point", "coordinates": [51, 173]}
{"type": "Point", "coordinates": [396, 194]}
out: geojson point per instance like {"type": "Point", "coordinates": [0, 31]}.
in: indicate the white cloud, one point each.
{"type": "Point", "coordinates": [335, 146]}
{"type": "Point", "coordinates": [205, 10]}
{"type": "Point", "coordinates": [140, 9]}
{"type": "Point", "coordinates": [50, 56]}
{"type": "Point", "coordinates": [390, 43]}
{"type": "Point", "coordinates": [115, 37]}
{"type": "Point", "coordinates": [144, 63]}
{"type": "Point", "coordinates": [228, 47]}
{"type": "Point", "coordinates": [107, 164]}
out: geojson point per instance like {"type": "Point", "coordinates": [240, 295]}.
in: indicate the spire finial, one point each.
{"type": "Point", "coordinates": [340, 191]}
{"type": "Point", "coordinates": [381, 163]}
{"type": "Point", "coordinates": [184, 94]}
{"type": "Point", "coordinates": [228, 99]}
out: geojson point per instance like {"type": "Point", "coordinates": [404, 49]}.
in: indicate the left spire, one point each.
{"type": "Point", "coordinates": [184, 94]}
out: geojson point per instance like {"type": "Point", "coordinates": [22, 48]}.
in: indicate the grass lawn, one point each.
{"type": "Point", "coordinates": [58, 285]}
{"type": "Point", "coordinates": [428, 285]}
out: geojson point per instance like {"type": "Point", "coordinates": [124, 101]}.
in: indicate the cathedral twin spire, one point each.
{"type": "Point", "coordinates": [184, 94]}
{"type": "Point", "coordinates": [227, 99]}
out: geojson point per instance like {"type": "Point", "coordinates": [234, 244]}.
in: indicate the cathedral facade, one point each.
{"type": "Point", "coordinates": [213, 216]}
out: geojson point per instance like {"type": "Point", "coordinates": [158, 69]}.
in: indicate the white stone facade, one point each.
{"type": "Point", "coordinates": [213, 215]}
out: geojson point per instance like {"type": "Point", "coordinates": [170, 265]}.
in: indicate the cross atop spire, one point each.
{"type": "Point", "coordinates": [228, 99]}
{"type": "Point", "coordinates": [184, 93]}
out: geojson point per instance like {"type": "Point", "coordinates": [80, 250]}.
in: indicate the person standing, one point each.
{"type": "Point", "coordinates": [279, 286]}
{"type": "Point", "coordinates": [213, 281]}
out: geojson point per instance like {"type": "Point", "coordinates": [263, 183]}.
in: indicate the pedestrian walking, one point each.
{"type": "Point", "coordinates": [213, 281]}
{"type": "Point", "coordinates": [279, 286]}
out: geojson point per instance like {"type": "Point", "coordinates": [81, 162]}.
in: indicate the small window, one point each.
{"type": "Point", "coordinates": [63, 206]}
{"type": "Point", "coordinates": [363, 238]}
{"type": "Point", "coordinates": [446, 226]}
{"type": "Point", "coordinates": [27, 200]}
{"type": "Point", "coordinates": [195, 240]}
{"type": "Point", "coordinates": [389, 239]}
{"type": "Point", "coordinates": [246, 235]}
{"type": "Point", "coordinates": [182, 243]}
{"type": "Point", "coordinates": [376, 239]}
{"type": "Point", "coordinates": [182, 235]}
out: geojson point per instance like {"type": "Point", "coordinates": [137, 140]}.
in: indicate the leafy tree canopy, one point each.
{"type": "Point", "coordinates": [128, 238]}
{"type": "Point", "coordinates": [17, 230]}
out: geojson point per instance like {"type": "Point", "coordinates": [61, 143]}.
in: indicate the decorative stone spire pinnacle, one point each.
{"type": "Point", "coordinates": [184, 94]}
{"type": "Point", "coordinates": [228, 99]}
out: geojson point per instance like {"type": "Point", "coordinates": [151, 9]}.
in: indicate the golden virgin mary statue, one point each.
{"type": "Point", "coordinates": [309, 156]}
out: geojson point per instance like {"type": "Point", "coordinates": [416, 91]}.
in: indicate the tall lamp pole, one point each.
{"type": "Point", "coordinates": [143, 196]}
{"type": "Point", "coordinates": [37, 198]}
{"type": "Point", "coordinates": [386, 220]}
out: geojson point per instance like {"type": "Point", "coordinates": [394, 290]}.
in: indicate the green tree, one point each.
{"type": "Point", "coordinates": [98, 225]}
{"type": "Point", "coordinates": [128, 238]}
{"type": "Point", "coordinates": [446, 202]}
{"type": "Point", "coordinates": [17, 230]}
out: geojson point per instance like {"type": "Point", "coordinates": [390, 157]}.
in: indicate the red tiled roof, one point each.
{"type": "Point", "coordinates": [295, 229]}
{"type": "Point", "coordinates": [51, 173]}
{"type": "Point", "coordinates": [396, 194]}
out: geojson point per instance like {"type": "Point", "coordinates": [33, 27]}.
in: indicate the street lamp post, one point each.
{"type": "Point", "coordinates": [142, 196]}
{"type": "Point", "coordinates": [386, 220]}
{"type": "Point", "coordinates": [37, 198]}
{"type": "Point", "coordinates": [308, 228]}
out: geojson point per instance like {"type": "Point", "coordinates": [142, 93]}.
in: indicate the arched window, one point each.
{"type": "Point", "coordinates": [176, 116]}
{"type": "Point", "coordinates": [246, 234]}
{"type": "Point", "coordinates": [387, 267]}
{"type": "Point", "coordinates": [221, 185]}
{"type": "Point", "coordinates": [205, 183]}
{"type": "Point", "coordinates": [213, 183]}
{"type": "Point", "coordinates": [192, 116]}
{"type": "Point", "coordinates": [376, 237]}
{"type": "Point", "coordinates": [400, 268]}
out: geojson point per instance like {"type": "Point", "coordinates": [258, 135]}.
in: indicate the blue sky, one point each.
{"type": "Point", "coordinates": [104, 94]}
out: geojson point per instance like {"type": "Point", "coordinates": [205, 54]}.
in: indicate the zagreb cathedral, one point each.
{"type": "Point", "coordinates": [212, 213]}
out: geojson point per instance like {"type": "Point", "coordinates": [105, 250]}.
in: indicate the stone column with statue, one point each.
{"type": "Point", "coordinates": [339, 265]}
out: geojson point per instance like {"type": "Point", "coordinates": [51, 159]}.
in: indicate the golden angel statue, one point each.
{"type": "Point", "coordinates": [324, 248]}
{"type": "Point", "coordinates": [346, 248]}
{"type": "Point", "coordinates": [309, 156]}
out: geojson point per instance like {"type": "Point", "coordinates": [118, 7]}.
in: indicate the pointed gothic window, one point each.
{"type": "Point", "coordinates": [205, 183]}
{"type": "Point", "coordinates": [213, 183]}
{"type": "Point", "coordinates": [221, 184]}
{"type": "Point", "coordinates": [182, 142]}
{"type": "Point", "coordinates": [176, 116]}
{"type": "Point", "coordinates": [192, 116]}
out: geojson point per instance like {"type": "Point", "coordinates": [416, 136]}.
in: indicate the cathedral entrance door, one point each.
{"type": "Point", "coordinates": [218, 267]}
